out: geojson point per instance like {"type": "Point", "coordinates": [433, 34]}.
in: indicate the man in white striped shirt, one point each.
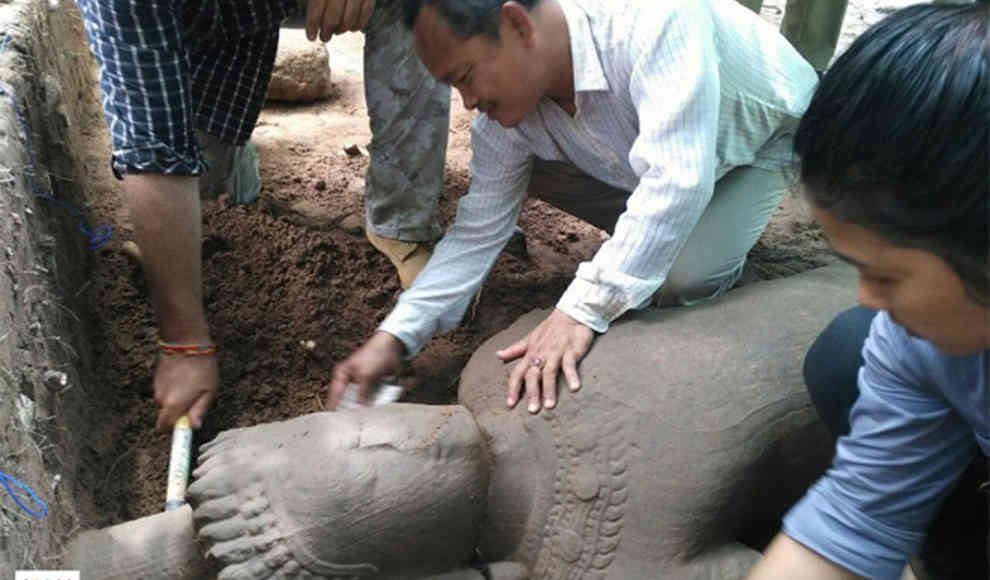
{"type": "Point", "coordinates": [668, 124]}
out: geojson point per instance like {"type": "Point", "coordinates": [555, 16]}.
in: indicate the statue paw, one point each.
{"type": "Point", "coordinates": [342, 495]}
{"type": "Point", "coordinates": [261, 495]}
{"type": "Point", "coordinates": [233, 512]}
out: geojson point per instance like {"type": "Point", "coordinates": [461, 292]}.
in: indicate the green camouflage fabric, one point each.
{"type": "Point", "coordinates": [410, 116]}
{"type": "Point", "coordinates": [813, 26]}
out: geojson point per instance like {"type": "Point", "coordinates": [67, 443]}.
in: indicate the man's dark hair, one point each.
{"type": "Point", "coordinates": [895, 137]}
{"type": "Point", "coordinates": [466, 18]}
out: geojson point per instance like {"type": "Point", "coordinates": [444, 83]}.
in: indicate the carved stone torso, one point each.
{"type": "Point", "coordinates": [692, 432]}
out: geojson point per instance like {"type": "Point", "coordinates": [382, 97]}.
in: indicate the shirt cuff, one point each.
{"type": "Point", "coordinates": [405, 324]}
{"type": "Point", "coordinates": [572, 305]}
{"type": "Point", "coordinates": [156, 158]}
{"type": "Point", "coordinates": [849, 538]}
{"type": "Point", "coordinates": [595, 302]}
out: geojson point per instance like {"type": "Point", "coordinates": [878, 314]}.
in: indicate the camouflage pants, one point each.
{"type": "Point", "coordinates": [410, 117]}
{"type": "Point", "coordinates": [813, 26]}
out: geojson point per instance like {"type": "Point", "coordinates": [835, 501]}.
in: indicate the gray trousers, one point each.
{"type": "Point", "coordinates": [410, 117]}
{"type": "Point", "coordinates": [409, 114]}
{"type": "Point", "coordinates": [712, 259]}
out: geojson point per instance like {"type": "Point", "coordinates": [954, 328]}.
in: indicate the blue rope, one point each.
{"type": "Point", "coordinates": [98, 237]}
{"type": "Point", "coordinates": [7, 480]}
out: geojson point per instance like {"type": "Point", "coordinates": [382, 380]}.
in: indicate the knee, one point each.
{"type": "Point", "coordinates": [832, 364]}
{"type": "Point", "coordinates": [684, 286]}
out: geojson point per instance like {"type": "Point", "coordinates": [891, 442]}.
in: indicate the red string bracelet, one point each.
{"type": "Point", "coordinates": [187, 349]}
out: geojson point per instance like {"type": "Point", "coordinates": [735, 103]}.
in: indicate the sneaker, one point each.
{"type": "Point", "coordinates": [233, 170]}
{"type": "Point", "coordinates": [409, 258]}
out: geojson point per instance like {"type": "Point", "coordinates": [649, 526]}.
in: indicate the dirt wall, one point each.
{"type": "Point", "coordinates": [43, 357]}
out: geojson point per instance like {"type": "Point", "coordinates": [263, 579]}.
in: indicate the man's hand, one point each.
{"type": "Point", "coordinates": [558, 343]}
{"type": "Point", "coordinates": [184, 385]}
{"type": "Point", "coordinates": [379, 357]}
{"type": "Point", "coordinates": [328, 17]}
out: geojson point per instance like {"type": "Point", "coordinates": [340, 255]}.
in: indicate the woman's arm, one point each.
{"type": "Point", "coordinates": [786, 558]}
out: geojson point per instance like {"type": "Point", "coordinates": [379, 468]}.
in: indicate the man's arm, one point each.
{"type": "Point", "coordinates": [145, 81]}
{"type": "Point", "coordinates": [501, 163]}
{"type": "Point", "coordinates": [165, 212]}
{"type": "Point", "coordinates": [486, 217]}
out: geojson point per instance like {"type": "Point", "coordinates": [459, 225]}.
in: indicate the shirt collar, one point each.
{"type": "Point", "coordinates": [588, 72]}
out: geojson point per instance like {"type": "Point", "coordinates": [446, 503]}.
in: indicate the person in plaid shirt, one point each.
{"type": "Point", "coordinates": [183, 83]}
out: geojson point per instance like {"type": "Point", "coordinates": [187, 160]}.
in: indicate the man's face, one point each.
{"type": "Point", "coordinates": [921, 291]}
{"type": "Point", "coordinates": [497, 77]}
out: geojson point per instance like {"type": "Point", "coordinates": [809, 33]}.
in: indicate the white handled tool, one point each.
{"type": "Point", "coordinates": [178, 464]}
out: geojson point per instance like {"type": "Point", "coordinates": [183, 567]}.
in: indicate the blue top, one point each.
{"type": "Point", "coordinates": [920, 419]}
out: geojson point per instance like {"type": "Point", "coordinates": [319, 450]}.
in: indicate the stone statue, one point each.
{"type": "Point", "coordinates": [691, 435]}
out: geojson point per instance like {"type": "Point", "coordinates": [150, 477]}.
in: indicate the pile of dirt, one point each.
{"type": "Point", "coordinates": [272, 286]}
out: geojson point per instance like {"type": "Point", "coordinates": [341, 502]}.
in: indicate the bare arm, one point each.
{"type": "Point", "coordinates": [165, 213]}
{"type": "Point", "coordinates": [786, 558]}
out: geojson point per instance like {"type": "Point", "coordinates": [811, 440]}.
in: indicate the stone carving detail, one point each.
{"type": "Point", "coordinates": [584, 526]}
{"type": "Point", "coordinates": [248, 543]}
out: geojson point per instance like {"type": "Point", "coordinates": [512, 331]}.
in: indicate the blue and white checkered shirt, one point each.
{"type": "Point", "coordinates": [170, 67]}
